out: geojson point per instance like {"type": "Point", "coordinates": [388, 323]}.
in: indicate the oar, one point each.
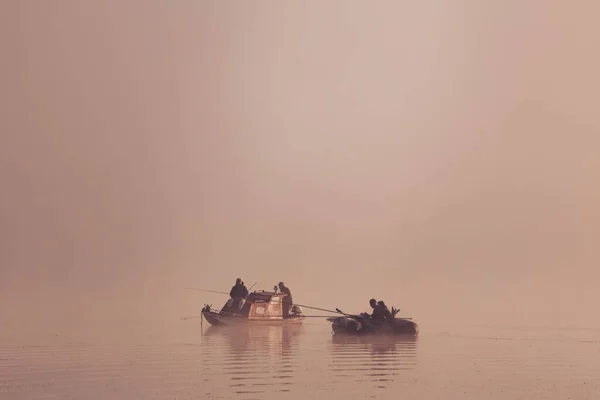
{"type": "Point", "coordinates": [348, 315]}
{"type": "Point", "coordinates": [341, 312]}
{"type": "Point", "coordinates": [252, 286]}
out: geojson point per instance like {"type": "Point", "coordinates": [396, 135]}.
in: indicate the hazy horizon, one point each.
{"type": "Point", "coordinates": [441, 156]}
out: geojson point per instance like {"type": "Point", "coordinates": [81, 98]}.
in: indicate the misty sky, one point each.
{"type": "Point", "coordinates": [441, 155]}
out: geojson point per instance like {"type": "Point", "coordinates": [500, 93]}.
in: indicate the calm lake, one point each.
{"type": "Point", "coordinates": [187, 360]}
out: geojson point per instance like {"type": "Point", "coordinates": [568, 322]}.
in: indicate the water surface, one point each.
{"type": "Point", "coordinates": [185, 360]}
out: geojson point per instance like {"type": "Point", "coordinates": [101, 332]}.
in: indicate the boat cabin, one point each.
{"type": "Point", "coordinates": [259, 305]}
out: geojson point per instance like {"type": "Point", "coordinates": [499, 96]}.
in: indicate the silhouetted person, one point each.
{"type": "Point", "coordinates": [381, 313]}
{"type": "Point", "coordinates": [239, 291]}
{"type": "Point", "coordinates": [287, 300]}
{"type": "Point", "coordinates": [373, 303]}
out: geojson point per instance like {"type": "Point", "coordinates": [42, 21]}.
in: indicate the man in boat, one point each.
{"type": "Point", "coordinates": [373, 304]}
{"type": "Point", "coordinates": [238, 293]}
{"type": "Point", "coordinates": [377, 315]}
{"type": "Point", "coordinates": [380, 311]}
{"type": "Point", "coordinates": [287, 300]}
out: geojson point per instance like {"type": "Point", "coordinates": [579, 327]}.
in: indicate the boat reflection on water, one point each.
{"type": "Point", "coordinates": [256, 359]}
{"type": "Point", "coordinates": [272, 339]}
{"type": "Point", "coordinates": [374, 359]}
{"type": "Point", "coordinates": [377, 343]}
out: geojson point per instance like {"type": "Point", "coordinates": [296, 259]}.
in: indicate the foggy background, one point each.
{"type": "Point", "coordinates": [442, 156]}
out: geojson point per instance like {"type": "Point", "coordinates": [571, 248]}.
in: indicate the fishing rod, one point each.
{"type": "Point", "coordinates": [214, 291]}
{"type": "Point", "coordinates": [206, 290]}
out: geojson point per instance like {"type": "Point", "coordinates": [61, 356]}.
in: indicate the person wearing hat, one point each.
{"type": "Point", "coordinates": [239, 291]}
{"type": "Point", "coordinates": [287, 300]}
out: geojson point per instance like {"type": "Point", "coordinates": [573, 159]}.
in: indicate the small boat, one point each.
{"type": "Point", "coordinates": [363, 324]}
{"type": "Point", "coordinates": [260, 307]}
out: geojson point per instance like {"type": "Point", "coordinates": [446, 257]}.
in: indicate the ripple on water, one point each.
{"type": "Point", "coordinates": [252, 359]}
{"type": "Point", "coordinates": [279, 362]}
{"type": "Point", "coordinates": [371, 359]}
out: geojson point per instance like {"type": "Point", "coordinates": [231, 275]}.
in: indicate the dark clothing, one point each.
{"type": "Point", "coordinates": [286, 302]}
{"type": "Point", "coordinates": [238, 292]}
{"type": "Point", "coordinates": [381, 313]}
{"type": "Point", "coordinates": [287, 291]}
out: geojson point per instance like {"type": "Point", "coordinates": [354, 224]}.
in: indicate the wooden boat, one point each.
{"type": "Point", "coordinates": [363, 324]}
{"type": "Point", "coordinates": [260, 307]}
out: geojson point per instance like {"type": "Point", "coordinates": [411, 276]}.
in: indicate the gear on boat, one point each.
{"type": "Point", "coordinates": [259, 306]}
{"type": "Point", "coordinates": [296, 310]}
{"type": "Point", "coordinates": [382, 321]}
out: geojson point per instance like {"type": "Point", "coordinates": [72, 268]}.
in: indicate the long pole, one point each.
{"type": "Point", "coordinates": [206, 290]}
{"type": "Point", "coordinates": [318, 309]}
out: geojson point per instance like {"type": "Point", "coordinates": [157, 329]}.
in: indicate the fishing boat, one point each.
{"type": "Point", "coordinates": [363, 325]}
{"type": "Point", "coordinates": [260, 307]}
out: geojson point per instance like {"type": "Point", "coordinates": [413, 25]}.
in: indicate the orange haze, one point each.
{"type": "Point", "coordinates": [443, 156]}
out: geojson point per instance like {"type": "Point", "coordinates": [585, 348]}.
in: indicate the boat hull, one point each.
{"type": "Point", "coordinates": [364, 326]}
{"type": "Point", "coordinates": [217, 319]}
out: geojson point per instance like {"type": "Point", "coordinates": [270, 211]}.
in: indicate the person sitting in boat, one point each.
{"type": "Point", "coordinates": [373, 304]}
{"type": "Point", "coordinates": [287, 300]}
{"type": "Point", "coordinates": [238, 293]}
{"type": "Point", "coordinates": [381, 313]}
